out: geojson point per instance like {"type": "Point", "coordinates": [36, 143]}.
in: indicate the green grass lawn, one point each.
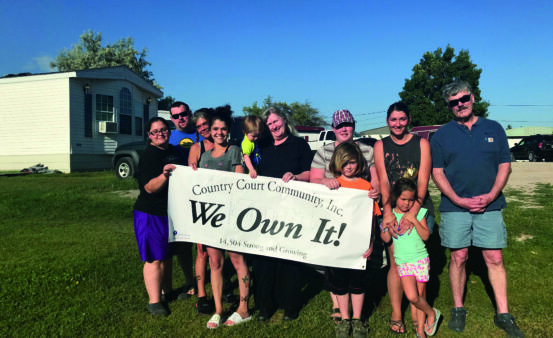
{"type": "Point", "coordinates": [70, 267]}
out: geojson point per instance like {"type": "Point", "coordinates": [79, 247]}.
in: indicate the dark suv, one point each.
{"type": "Point", "coordinates": [126, 156]}
{"type": "Point", "coordinates": [533, 148]}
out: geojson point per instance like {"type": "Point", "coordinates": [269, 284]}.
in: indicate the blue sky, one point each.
{"type": "Point", "coordinates": [333, 54]}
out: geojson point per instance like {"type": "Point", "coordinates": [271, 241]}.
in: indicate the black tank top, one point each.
{"type": "Point", "coordinates": [400, 157]}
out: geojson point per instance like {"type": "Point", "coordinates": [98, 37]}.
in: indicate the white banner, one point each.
{"type": "Point", "coordinates": [298, 221]}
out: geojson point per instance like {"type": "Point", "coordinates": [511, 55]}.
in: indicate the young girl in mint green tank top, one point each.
{"type": "Point", "coordinates": [411, 256]}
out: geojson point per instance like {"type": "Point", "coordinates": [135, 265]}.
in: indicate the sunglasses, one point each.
{"type": "Point", "coordinates": [161, 131]}
{"type": "Point", "coordinates": [462, 99]}
{"type": "Point", "coordinates": [183, 114]}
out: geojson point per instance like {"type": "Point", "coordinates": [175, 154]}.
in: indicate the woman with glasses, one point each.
{"type": "Point", "coordinates": [151, 225]}
{"type": "Point", "coordinates": [399, 155]}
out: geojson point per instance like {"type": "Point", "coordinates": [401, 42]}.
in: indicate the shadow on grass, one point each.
{"type": "Point", "coordinates": [438, 261]}
{"type": "Point", "coordinates": [477, 266]}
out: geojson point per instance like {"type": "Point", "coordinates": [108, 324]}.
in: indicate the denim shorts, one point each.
{"type": "Point", "coordinates": [463, 229]}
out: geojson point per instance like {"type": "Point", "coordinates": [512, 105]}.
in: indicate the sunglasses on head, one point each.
{"type": "Point", "coordinates": [462, 99]}
{"type": "Point", "coordinates": [183, 114]}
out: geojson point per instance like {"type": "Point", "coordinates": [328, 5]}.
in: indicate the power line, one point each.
{"type": "Point", "coordinates": [521, 105]}
{"type": "Point", "coordinates": [546, 121]}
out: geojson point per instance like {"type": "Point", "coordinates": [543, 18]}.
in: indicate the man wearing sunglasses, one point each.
{"type": "Point", "coordinates": [183, 137]}
{"type": "Point", "coordinates": [471, 165]}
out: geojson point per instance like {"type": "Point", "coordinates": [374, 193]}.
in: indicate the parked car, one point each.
{"type": "Point", "coordinates": [327, 136]}
{"type": "Point", "coordinates": [126, 156]}
{"type": "Point", "coordinates": [425, 131]}
{"type": "Point", "coordinates": [533, 148]}
{"type": "Point", "coordinates": [125, 159]}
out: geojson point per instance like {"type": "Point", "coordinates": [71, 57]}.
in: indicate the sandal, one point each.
{"type": "Point", "coordinates": [215, 320]}
{"type": "Point", "coordinates": [336, 316]}
{"type": "Point", "coordinates": [415, 325]}
{"type": "Point", "coordinates": [187, 292]}
{"type": "Point", "coordinates": [398, 325]}
{"type": "Point", "coordinates": [203, 307]}
{"type": "Point", "coordinates": [236, 319]}
{"type": "Point", "coordinates": [431, 330]}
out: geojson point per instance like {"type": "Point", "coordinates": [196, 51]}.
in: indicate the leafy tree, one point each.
{"type": "Point", "coordinates": [165, 103]}
{"type": "Point", "coordinates": [509, 127]}
{"type": "Point", "coordinates": [299, 114]}
{"type": "Point", "coordinates": [423, 91]}
{"type": "Point", "coordinates": [89, 53]}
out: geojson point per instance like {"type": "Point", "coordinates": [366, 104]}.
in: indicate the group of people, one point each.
{"type": "Point", "coordinates": [468, 159]}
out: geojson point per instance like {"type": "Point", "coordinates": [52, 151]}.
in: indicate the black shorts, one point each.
{"type": "Point", "coordinates": [343, 281]}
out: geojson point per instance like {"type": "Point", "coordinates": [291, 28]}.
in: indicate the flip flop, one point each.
{"type": "Point", "coordinates": [236, 319]}
{"type": "Point", "coordinates": [215, 319]}
{"type": "Point", "coordinates": [431, 330]}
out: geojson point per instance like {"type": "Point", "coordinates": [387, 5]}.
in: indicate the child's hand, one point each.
{"type": "Point", "coordinates": [253, 173]}
{"type": "Point", "coordinates": [406, 224]}
{"type": "Point", "coordinates": [373, 194]}
{"type": "Point", "coordinates": [194, 166]}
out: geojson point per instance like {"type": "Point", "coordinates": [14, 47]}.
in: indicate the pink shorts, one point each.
{"type": "Point", "coordinates": [420, 270]}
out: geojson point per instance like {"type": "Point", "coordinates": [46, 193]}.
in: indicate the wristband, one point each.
{"type": "Point", "coordinates": [383, 229]}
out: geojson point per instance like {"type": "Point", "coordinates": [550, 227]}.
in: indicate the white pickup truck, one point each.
{"type": "Point", "coordinates": [328, 136]}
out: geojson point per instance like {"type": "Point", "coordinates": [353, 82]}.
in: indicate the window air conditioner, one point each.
{"type": "Point", "coordinates": [105, 127]}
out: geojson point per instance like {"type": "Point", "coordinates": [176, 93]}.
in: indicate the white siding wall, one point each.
{"type": "Point", "coordinates": [38, 124]}
{"type": "Point", "coordinates": [102, 145]}
{"type": "Point", "coordinates": [34, 122]}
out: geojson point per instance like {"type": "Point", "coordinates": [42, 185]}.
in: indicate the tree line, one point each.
{"type": "Point", "coordinates": [421, 92]}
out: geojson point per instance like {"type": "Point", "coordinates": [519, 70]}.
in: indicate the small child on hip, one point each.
{"type": "Point", "coordinates": [252, 128]}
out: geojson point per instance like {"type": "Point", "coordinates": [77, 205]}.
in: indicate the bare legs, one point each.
{"type": "Point", "coordinates": [156, 278]}
{"type": "Point", "coordinates": [356, 304]}
{"type": "Point", "coordinates": [201, 262]}
{"type": "Point", "coordinates": [496, 274]}
{"type": "Point", "coordinates": [216, 260]}
{"type": "Point", "coordinates": [395, 289]}
{"type": "Point", "coordinates": [498, 278]}
{"type": "Point", "coordinates": [415, 292]}
{"type": "Point", "coordinates": [243, 274]}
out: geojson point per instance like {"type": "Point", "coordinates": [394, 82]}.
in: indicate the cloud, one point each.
{"type": "Point", "coordinates": [40, 64]}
